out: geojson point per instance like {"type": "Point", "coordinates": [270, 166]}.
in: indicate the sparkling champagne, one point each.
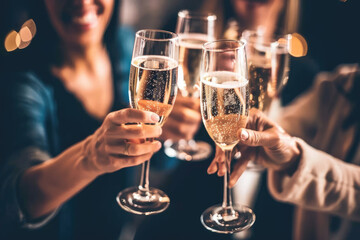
{"type": "Point", "coordinates": [279, 72]}
{"type": "Point", "coordinates": [259, 77]}
{"type": "Point", "coordinates": [189, 62]}
{"type": "Point", "coordinates": [224, 104]}
{"type": "Point", "coordinates": [153, 84]}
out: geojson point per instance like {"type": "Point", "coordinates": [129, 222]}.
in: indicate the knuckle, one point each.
{"type": "Point", "coordinates": [136, 130]}
{"type": "Point", "coordinates": [126, 112]}
{"type": "Point", "coordinates": [254, 138]}
{"type": "Point", "coordinates": [129, 148]}
{"type": "Point", "coordinates": [136, 160]}
{"type": "Point", "coordinates": [134, 149]}
{"type": "Point", "coordinates": [106, 149]}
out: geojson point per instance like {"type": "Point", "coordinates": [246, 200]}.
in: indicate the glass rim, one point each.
{"type": "Point", "coordinates": [172, 35]}
{"type": "Point", "coordinates": [187, 14]}
{"type": "Point", "coordinates": [247, 34]}
{"type": "Point", "coordinates": [206, 46]}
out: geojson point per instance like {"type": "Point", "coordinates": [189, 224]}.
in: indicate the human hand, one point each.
{"type": "Point", "coordinates": [263, 139]}
{"type": "Point", "coordinates": [118, 143]}
{"type": "Point", "coordinates": [184, 120]}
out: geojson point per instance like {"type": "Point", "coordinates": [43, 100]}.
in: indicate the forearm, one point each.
{"type": "Point", "coordinates": [320, 182]}
{"type": "Point", "coordinates": [46, 186]}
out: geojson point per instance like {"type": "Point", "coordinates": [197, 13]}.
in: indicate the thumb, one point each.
{"type": "Point", "coordinates": [254, 138]}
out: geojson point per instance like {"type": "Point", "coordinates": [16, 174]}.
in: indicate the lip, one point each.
{"type": "Point", "coordinates": [82, 19]}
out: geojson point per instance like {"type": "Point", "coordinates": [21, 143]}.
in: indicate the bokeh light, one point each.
{"type": "Point", "coordinates": [25, 34]}
{"type": "Point", "coordinates": [30, 24]}
{"type": "Point", "coordinates": [10, 41]}
{"type": "Point", "coordinates": [298, 45]}
{"type": "Point", "coordinates": [20, 40]}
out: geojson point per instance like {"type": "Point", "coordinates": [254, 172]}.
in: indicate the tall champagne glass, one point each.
{"type": "Point", "coordinates": [268, 61]}
{"type": "Point", "coordinates": [224, 97]}
{"type": "Point", "coordinates": [153, 77]}
{"type": "Point", "coordinates": [194, 29]}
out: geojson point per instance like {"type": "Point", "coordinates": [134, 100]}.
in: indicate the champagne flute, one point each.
{"type": "Point", "coordinates": [268, 61]}
{"type": "Point", "coordinates": [194, 29]}
{"type": "Point", "coordinates": [224, 97]}
{"type": "Point", "coordinates": [153, 77]}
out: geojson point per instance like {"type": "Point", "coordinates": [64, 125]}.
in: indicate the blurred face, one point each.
{"type": "Point", "coordinates": [80, 22]}
{"type": "Point", "coordinates": [246, 10]}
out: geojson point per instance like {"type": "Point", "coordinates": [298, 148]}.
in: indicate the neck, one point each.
{"type": "Point", "coordinates": [82, 57]}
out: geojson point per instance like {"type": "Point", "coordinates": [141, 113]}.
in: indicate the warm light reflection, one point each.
{"type": "Point", "coordinates": [23, 45]}
{"type": "Point", "coordinates": [10, 41]}
{"type": "Point", "coordinates": [25, 34]}
{"type": "Point", "coordinates": [30, 24]}
{"type": "Point", "coordinates": [298, 45]}
{"type": "Point", "coordinates": [21, 40]}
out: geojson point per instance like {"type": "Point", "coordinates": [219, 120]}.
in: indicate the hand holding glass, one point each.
{"type": "Point", "coordinates": [268, 61]}
{"type": "Point", "coordinates": [224, 97]}
{"type": "Point", "coordinates": [153, 77]}
{"type": "Point", "coordinates": [194, 29]}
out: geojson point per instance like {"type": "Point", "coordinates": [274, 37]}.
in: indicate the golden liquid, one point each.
{"type": "Point", "coordinates": [259, 82]}
{"type": "Point", "coordinates": [223, 128]}
{"type": "Point", "coordinates": [153, 84]}
{"type": "Point", "coordinates": [159, 108]}
{"type": "Point", "coordinates": [189, 62]}
{"type": "Point", "coordinates": [224, 106]}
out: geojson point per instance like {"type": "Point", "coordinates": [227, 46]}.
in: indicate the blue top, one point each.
{"type": "Point", "coordinates": [42, 120]}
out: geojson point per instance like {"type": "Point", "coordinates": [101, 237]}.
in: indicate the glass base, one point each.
{"type": "Point", "coordinates": [188, 150]}
{"type": "Point", "coordinates": [227, 220]}
{"type": "Point", "coordinates": [143, 202]}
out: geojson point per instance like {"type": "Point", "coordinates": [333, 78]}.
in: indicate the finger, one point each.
{"type": "Point", "coordinates": [219, 158]}
{"type": "Point", "coordinates": [238, 170]}
{"type": "Point", "coordinates": [188, 102]}
{"type": "Point", "coordinates": [213, 167]}
{"type": "Point", "coordinates": [133, 149]}
{"type": "Point", "coordinates": [130, 115]}
{"type": "Point", "coordinates": [180, 130]}
{"type": "Point", "coordinates": [186, 115]}
{"type": "Point", "coordinates": [221, 169]}
{"type": "Point", "coordinates": [133, 131]}
{"type": "Point", "coordinates": [256, 138]}
{"type": "Point", "coordinates": [120, 161]}
{"type": "Point", "coordinates": [259, 121]}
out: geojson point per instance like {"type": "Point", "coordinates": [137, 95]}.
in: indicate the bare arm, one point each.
{"type": "Point", "coordinates": [113, 146]}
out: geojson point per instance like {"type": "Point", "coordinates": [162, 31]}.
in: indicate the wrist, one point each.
{"type": "Point", "coordinates": [291, 166]}
{"type": "Point", "coordinates": [88, 157]}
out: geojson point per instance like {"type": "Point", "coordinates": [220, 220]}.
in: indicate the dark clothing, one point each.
{"type": "Point", "coordinates": [42, 120]}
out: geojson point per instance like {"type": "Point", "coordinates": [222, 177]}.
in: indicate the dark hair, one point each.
{"type": "Point", "coordinates": [43, 49]}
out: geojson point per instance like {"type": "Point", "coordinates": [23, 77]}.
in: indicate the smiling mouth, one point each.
{"type": "Point", "coordinates": [84, 20]}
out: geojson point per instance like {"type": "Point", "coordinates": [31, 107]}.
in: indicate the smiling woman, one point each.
{"type": "Point", "coordinates": [80, 22]}
{"type": "Point", "coordinates": [64, 129]}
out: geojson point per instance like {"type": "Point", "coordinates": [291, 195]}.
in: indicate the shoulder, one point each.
{"type": "Point", "coordinates": [343, 75]}
{"type": "Point", "coordinates": [23, 79]}
{"type": "Point", "coordinates": [24, 85]}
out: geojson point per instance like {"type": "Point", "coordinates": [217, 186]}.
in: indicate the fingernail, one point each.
{"type": "Point", "coordinates": [158, 145]}
{"type": "Point", "coordinates": [155, 117]}
{"type": "Point", "coordinates": [210, 171]}
{"type": "Point", "coordinates": [244, 135]}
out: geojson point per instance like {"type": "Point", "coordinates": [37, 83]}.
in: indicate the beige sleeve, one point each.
{"type": "Point", "coordinates": [321, 182]}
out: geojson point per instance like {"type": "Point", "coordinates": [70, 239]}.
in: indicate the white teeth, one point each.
{"type": "Point", "coordinates": [86, 19]}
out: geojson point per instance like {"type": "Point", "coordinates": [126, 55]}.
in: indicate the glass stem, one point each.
{"type": "Point", "coordinates": [227, 201]}
{"type": "Point", "coordinates": [144, 180]}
